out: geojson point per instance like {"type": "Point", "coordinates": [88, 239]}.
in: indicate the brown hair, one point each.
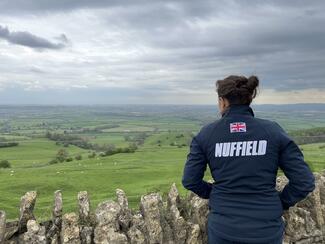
{"type": "Point", "coordinates": [238, 89]}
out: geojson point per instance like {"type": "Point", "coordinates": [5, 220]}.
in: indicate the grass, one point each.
{"type": "Point", "coordinates": [137, 173]}
{"type": "Point", "coordinates": [35, 152]}
{"type": "Point", "coordinates": [152, 168]}
{"type": "Point", "coordinates": [314, 155]}
{"type": "Point", "coordinates": [149, 169]}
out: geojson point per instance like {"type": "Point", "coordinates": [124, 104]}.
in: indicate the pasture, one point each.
{"type": "Point", "coordinates": [157, 162]}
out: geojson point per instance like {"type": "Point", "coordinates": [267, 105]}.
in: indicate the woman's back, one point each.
{"type": "Point", "coordinates": [243, 154]}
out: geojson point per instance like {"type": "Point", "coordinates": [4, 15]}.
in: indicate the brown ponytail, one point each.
{"type": "Point", "coordinates": [238, 89]}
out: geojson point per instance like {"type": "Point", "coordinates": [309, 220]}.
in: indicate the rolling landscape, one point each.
{"type": "Point", "coordinates": [100, 101]}
{"type": "Point", "coordinates": [138, 148]}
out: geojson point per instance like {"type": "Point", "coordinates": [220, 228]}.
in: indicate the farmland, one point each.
{"type": "Point", "coordinates": [95, 144]}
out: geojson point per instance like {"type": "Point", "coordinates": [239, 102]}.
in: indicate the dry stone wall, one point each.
{"type": "Point", "coordinates": [174, 221]}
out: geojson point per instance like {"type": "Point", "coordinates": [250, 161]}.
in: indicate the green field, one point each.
{"type": "Point", "coordinates": [154, 166]}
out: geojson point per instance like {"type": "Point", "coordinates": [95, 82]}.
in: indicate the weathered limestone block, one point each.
{"type": "Point", "coordinates": [2, 226]}
{"type": "Point", "coordinates": [107, 213]}
{"type": "Point", "coordinates": [151, 208]}
{"type": "Point", "coordinates": [70, 232]}
{"type": "Point", "coordinates": [54, 231]}
{"type": "Point", "coordinates": [122, 199]}
{"type": "Point", "coordinates": [86, 231]}
{"type": "Point", "coordinates": [35, 233]}
{"type": "Point", "coordinates": [27, 204]}
{"type": "Point", "coordinates": [125, 216]}
{"type": "Point", "coordinates": [321, 181]}
{"type": "Point", "coordinates": [313, 204]}
{"type": "Point", "coordinates": [138, 232]}
{"type": "Point", "coordinates": [86, 234]}
{"type": "Point", "coordinates": [198, 211]}
{"type": "Point", "coordinates": [11, 230]}
{"type": "Point", "coordinates": [136, 236]}
{"type": "Point", "coordinates": [84, 206]}
{"type": "Point", "coordinates": [174, 217]}
{"type": "Point", "coordinates": [107, 235]}
{"type": "Point", "coordinates": [175, 221]}
{"type": "Point", "coordinates": [107, 228]}
{"type": "Point", "coordinates": [305, 220]}
{"type": "Point", "coordinates": [55, 239]}
{"type": "Point", "coordinates": [194, 234]}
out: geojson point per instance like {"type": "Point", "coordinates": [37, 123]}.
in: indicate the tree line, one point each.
{"type": "Point", "coordinates": [102, 150]}
{"type": "Point", "coordinates": [306, 136]}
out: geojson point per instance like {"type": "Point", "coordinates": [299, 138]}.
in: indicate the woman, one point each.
{"type": "Point", "coordinates": [243, 153]}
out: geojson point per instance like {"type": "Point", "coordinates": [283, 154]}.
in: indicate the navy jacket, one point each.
{"type": "Point", "coordinates": [243, 153]}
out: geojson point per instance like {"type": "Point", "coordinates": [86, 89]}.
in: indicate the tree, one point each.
{"type": "Point", "coordinates": [78, 157]}
{"type": "Point", "coordinates": [5, 164]}
{"type": "Point", "coordinates": [62, 155]}
{"type": "Point", "coordinates": [69, 159]}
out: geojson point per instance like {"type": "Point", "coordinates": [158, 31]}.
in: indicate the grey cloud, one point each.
{"type": "Point", "coordinates": [27, 6]}
{"type": "Point", "coordinates": [179, 45]}
{"type": "Point", "coordinates": [63, 38]}
{"type": "Point", "coordinates": [27, 39]}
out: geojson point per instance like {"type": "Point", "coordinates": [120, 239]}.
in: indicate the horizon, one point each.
{"type": "Point", "coordinates": [153, 104]}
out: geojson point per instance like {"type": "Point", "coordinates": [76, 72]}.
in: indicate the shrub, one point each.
{"type": "Point", "coordinates": [133, 147]}
{"type": "Point", "coordinates": [78, 157]}
{"type": "Point", "coordinates": [53, 161]}
{"type": "Point", "coordinates": [5, 164]}
{"type": "Point", "coordinates": [69, 159]}
{"type": "Point", "coordinates": [92, 155]}
{"type": "Point", "coordinates": [62, 155]}
{"type": "Point", "coordinates": [8, 144]}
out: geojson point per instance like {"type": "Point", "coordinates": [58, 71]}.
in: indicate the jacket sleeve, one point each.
{"type": "Point", "coordinates": [194, 169]}
{"type": "Point", "coordinates": [292, 163]}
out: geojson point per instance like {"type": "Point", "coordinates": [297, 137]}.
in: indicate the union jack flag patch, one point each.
{"type": "Point", "coordinates": [237, 127]}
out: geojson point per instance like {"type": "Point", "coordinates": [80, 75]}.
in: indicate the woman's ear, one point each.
{"type": "Point", "coordinates": [223, 104]}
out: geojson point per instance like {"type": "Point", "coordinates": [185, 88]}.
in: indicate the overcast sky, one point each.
{"type": "Point", "coordinates": [103, 52]}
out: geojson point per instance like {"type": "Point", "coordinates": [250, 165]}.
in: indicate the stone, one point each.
{"type": "Point", "coordinates": [86, 234]}
{"type": "Point", "coordinates": [194, 234]}
{"type": "Point", "coordinates": [35, 233]}
{"type": "Point", "coordinates": [107, 213]}
{"type": "Point", "coordinates": [175, 221]}
{"type": "Point", "coordinates": [84, 206]}
{"type": "Point", "coordinates": [86, 231]}
{"type": "Point", "coordinates": [27, 204]}
{"type": "Point", "coordinates": [151, 208]}
{"type": "Point", "coordinates": [55, 239]}
{"type": "Point", "coordinates": [107, 235]}
{"type": "Point", "coordinates": [125, 215]}
{"type": "Point", "coordinates": [122, 199]}
{"type": "Point", "coordinates": [54, 231]}
{"type": "Point", "coordinates": [70, 232]}
{"type": "Point", "coordinates": [107, 225]}
{"type": "Point", "coordinates": [136, 236]}
{"type": "Point", "coordinates": [2, 226]}
{"type": "Point", "coordinates": [174, 217]}
{"type": "Point", "coordinates": [305, 220]}
{"type": "Point", "coordinates": [198, 211]}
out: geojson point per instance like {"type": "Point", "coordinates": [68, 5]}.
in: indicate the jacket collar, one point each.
{"type": "Point", "coordinates": [241, 109]}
